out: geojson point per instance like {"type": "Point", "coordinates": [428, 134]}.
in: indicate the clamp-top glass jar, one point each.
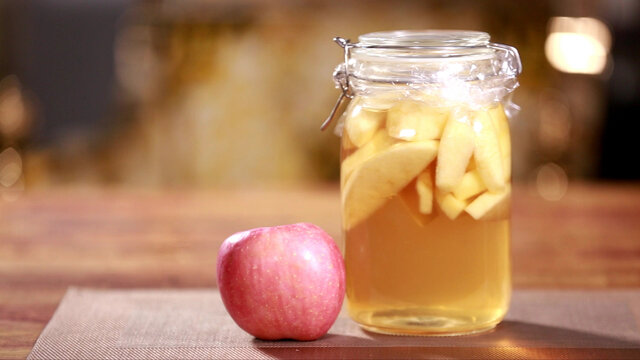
{"type": "Point", "coordinates": [425, 180]}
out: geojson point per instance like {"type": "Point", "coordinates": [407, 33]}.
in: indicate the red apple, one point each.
{"type": "Point", "coordinates": [282, 282]}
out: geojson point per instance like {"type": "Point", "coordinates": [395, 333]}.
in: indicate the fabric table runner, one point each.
{"type": "Point", "coordinates": [193, 324]}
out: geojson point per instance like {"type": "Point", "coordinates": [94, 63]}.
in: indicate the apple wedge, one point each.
{"type": "Point", "coordinates": [501, 124]}
{"type": "Point", "coordinates": [380, 141]}
{"type": "Point", "coordinates": [470, 185]}
{"type": "Point", "coordinates": [456, 148]}
{"type": "Point", "coordinates": [491, 205]}
{"type": "Point", "coordinates": [487, 152]}
{"type": "Point", "coordinates": [424, 189]}
{"type": "Point", "coordinates": [347, 144]}
{"type": "Point", "coordinates": [414, 121]}
{"type": "Point", "coordinates": [449, 204]}
{"type": "Point", "coordinates": [411, 202]}
{"type": "Point", "coordinates": [383, 176]}
{"type": "Point", "coordinates": [362, 123]}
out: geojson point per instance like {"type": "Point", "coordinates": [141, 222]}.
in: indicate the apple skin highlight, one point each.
{"type": "Point", "coordinates": [282, 282]}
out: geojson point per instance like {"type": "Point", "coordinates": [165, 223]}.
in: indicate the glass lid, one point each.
{"type": "Point", "coordinates": [427, 38]}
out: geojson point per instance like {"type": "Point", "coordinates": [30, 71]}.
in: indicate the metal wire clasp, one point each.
{"type": "Point", "coordinates": [341, 78]}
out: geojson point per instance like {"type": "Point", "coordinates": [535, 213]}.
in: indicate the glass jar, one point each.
{"type": "Point", "coordinates": [426, 180]}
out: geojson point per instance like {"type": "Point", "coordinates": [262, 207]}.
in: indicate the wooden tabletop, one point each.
{"type": "Point", "coordinates": [142, 239]}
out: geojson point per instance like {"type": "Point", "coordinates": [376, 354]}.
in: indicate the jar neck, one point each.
{"type": "Point", "coordinates": [456, 65]}
{"type": "Point", "coordinates": [476, 94]}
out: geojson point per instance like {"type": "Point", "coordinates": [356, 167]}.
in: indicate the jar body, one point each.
{"type": "Point", "coordinates": [425, 189]}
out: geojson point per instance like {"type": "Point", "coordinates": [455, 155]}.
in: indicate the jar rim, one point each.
{"type": "Point", "coordinates": [424, 38]}
{"type": "Point", "coordinates": [423, 46]}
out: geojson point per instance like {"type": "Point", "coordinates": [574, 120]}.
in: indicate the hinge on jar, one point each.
{"type": "Point", "coordinates": [341, 78]}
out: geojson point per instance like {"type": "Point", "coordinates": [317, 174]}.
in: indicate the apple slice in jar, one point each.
{"type": "Point", "coordinates": [470, 185]}
{"type": "Point", "coordinates": [413, 121]}
{"type": "Point", "coordinates": [380, 141]}
{"type": "Point", "coordinates": [347, 144]}
{"type": "Point", "coordinates": [451, 206]}
{"type": "Point", "coordinates": [382, 177]}
{"type": "Point", "coordinates": [501, 124]}
{"type": "Point", "coordinates": [487, 152]}
{"type": "Point", "coordinates": [362, 123]}
{"type": "Point", "coordinates": [424, 188]}
{"type": "Point", "coordinates": [417, 197]}
{"type": "Point", "coordinates": [491, 205]}
{"type": "Point", "coordinates": [456, 147]}
{"type": "Point", "coordinates": [411, 201]}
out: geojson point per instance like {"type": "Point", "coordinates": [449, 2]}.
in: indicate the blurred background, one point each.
{"type": "Point", "coordinates": [197, 94]}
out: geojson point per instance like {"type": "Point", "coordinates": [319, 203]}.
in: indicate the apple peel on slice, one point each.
{"type": "Point", "coordinates": [383, 176]}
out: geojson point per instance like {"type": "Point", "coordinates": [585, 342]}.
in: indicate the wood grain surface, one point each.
{"type": "Point", "coordinates": [141, 239]}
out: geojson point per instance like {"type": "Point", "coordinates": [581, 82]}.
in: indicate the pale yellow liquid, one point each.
{"type": "Point", "coordinates": [444, 278]}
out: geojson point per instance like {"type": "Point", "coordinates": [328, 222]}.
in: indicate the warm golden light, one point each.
{"type": "Point", "coordinates": [578, 45]}
{"type": "Point", "coordinates": [12, 111]}
{"type": "Point", "coordinates": [551, 182]}
{"type": "Point", "coordinates": [10, 167]}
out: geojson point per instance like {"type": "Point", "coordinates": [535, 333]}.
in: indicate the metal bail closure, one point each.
{"type": "Point", "coordinates": [341, 78]}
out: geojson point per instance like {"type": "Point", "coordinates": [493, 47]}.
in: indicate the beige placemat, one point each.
{"type": "Point", "coordinates": [193, 324]}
